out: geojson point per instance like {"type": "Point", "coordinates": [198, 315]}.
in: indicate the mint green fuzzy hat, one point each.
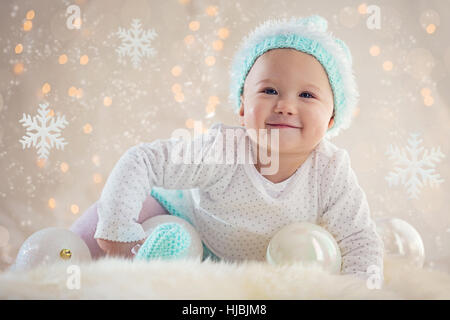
{"type": "Point", "coordinates": [308, 35]}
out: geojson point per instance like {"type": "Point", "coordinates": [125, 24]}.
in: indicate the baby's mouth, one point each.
{"type": "Point", "coordinates": [282, 126]}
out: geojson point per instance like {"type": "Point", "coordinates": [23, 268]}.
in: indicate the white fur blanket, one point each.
{"type": "Point", "coordinates": [110, 278]}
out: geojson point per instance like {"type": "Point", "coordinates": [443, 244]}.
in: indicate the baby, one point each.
{"type": "Point", "coordinates": [294, 80]}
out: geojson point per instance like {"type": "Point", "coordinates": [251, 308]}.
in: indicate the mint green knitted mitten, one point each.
{"type": "Point", "coordinates": [168, 241]}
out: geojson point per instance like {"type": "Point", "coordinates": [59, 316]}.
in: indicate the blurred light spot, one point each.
{"type": "Point", "coordinates": [425, 92]}
{"type": "Point", "coordinates": [77, 23]}
{"type": "Point", "coordinates": [18, 68]}
{"type": "Point", "coordinates": [428, 101]}
{"type": "Point", "coordinates": [79, 93]}
{"type": "Point", "coordinates": [72, 91]}
{"type": "Point", "coordinates": [212, 11]}
{"type": "Point", "coordinates": [194, 25]}
{"type": "Point", "coordinates": [51, 203]}
{"type": "Point", "coordinates": [19, 48]}
{"type": "Point", "coordinates": [189, 39]}
{"type": "Point", "coordinates": [30, 15]}
{"type": "Point", "coordinates": [46, 88]}
{"type": "Point", "coordinates": [40, 162]}
{"type": "Point", "coordinates": [374, 50]}
{"type": "Point", "coordinates": [74, 209]}
{"type": "Point", "coordinates": [223, 33]}
{"type": "Point", "coordinates": [27, 25]}
{"type": "Point", "coordinates": [184, 1]}
{"type": "Point", "coordinates": [176, 71]}
{"type": "Point", "coordinates": [362, 8]}
{"type": "Point", "coordinates": [210, 108]}
{"type": "Point", "coordinates": [64, 167]}
{"type": "Point", "coordinates": [176, 88]}
{"type": "Point", "coordinates": [87, 128]}
{"type": "Point", "coordinates": [218, 45]}
{"type": "Point", "coordinates": [431, 28]}
{"type": "Point", "coordinates": [96, 160]}
{"type": "Point", "coordinates": [387, 65]}
{"type": "Point", "coordinates": [179, 97]}
{"type": "Point", "coordinates": [213, 100]}
{"type": "Point", "coordinates": [97, 178]}
{"type": "Point", "coordinates": [107, 101]}
{"type": "Point", "coordinates": [84, 59]}
{"type": "Point", "coordinates": [62, 59]}
{"type": "Point", "coordinates": [210, 61]}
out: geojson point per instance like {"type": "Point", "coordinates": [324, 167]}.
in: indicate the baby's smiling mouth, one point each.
{"type": "Point", "coordinates": [282, 125]}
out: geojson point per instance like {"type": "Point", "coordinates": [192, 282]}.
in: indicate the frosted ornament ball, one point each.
{"type": "Point", "coordinates": [51, 245]}
{"type": "Point", "coordinates": [401, 240]}
{"type": "Point", "coordinates": [196, 246]}
{"type": "Point", "coordinates": [307, 243]}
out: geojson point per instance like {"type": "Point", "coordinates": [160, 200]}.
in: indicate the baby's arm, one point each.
{"type": "Point", "coordinates": [346, 216]}
{"type": "Point", "coordinates": [147, 165]}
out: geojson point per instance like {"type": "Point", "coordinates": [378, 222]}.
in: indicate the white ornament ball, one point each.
{"type": "Point", "coordinates": [401, 240]}
{"type": "Point", "coordinates": [195, 249]}
{"type": "Point", "coordinates": [306, 243]}
{"type": "Point", "coordinates": [49, 246]}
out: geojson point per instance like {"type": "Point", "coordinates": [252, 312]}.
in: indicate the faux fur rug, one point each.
{"type": "Point", "coordinates": [110, 278]}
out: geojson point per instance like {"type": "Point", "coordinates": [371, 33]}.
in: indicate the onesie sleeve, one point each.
{"type": "Point", "coordinates": [346, 215]}
{"type": "Point", "coordinates": [176, 163]}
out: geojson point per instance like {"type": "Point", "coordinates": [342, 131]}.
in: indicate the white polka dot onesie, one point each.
{"type": "Point", "coordinates": [235, 209]}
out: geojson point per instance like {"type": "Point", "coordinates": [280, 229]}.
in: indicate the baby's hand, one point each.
{"type": "Point", "coordinates": [118, 249]}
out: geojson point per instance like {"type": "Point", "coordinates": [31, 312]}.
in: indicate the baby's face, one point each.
{"type": "Point", "coordinates": [291, 87]}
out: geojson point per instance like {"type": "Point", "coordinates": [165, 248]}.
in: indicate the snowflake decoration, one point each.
{"type": "Point", "coordinates": [414, 175]}
{"type": "Point", "coordinates": [135, 43]}
{"type": "Point", "coordinates": [47, 131]}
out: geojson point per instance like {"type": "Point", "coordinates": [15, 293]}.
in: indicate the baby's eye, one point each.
{"type": "Point", "coordinates": [306, 95]}
{"type": "Point", "coordinates": [269, 89]}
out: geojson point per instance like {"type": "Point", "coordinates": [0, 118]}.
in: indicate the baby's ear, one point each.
{"type": "Point", "coordinates": [241, 110]}
{"type": "Point", "coordinates": [331, 123]}
{"type": "Point", "coordinates": [241, 113]}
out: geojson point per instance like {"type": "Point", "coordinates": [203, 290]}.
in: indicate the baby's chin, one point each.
{"type": "Point", "coordinates": [285, 146]}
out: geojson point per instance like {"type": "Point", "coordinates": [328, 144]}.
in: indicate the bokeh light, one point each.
{"type": "Point", "coordinates": [212, 11]}
{"type": "Point", "coordinates": [18, 68]}
{"type": "Point", "coordinates": [223, 33]}
{"type": "Point", "coordinates": [64, 167]}
{"type": "Point", "coordinates": [388, 65]}
{"type": "Point", "coordinates": [374, 50]}
{"type": "Point", "coordinates": [176, 71]}
{"type": "Point", "coordinates": [194, 25]}
{"type": "Point", "coordinates": [46, 88]}
{"type": "Point", "coordinates": [107, 101]}
{"type": "Point", "coordinates": [52, 203]}
{"type": "Point", "coordinates": [74, 209]}
{"type": "Point", "coordinates": [62, 59]}
{"type": "Point", "coordinates": [87, 128]}
{"type": "Point", "coordinates": [84, 59]}
{"type": "Point", "coordinates": [30, 14]}
{"type": "Point", "coordinates": [27, 25]}
{"type": "Point", "coordinates": [210, 60]}
{"type": "Point", "coordinates": [19, 48]}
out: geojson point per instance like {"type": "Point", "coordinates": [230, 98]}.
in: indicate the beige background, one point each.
{"type": "Point", "coordinates": [402, 69]}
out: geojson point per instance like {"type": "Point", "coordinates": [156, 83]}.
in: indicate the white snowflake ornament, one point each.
{"type": "Point", "coordinates": [47, 133]}
{"type": "Point", "coordinates": [136, 43]}
{"type": "Point", "coordinates": [414, 174]}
